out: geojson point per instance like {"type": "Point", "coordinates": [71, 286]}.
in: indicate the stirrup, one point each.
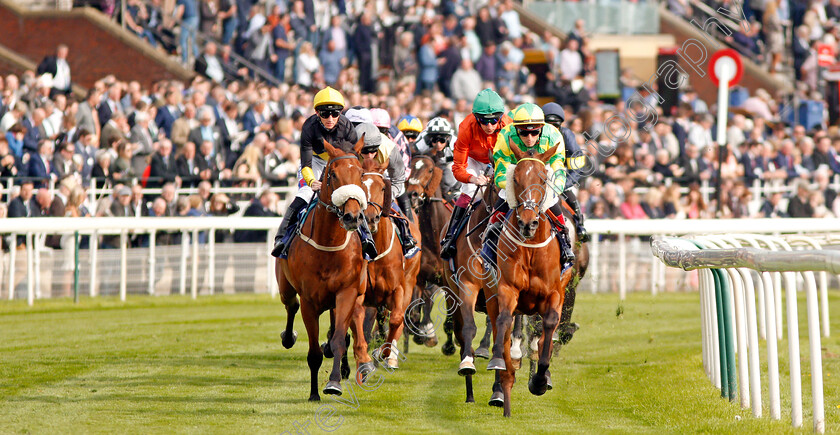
{"type": "Point", "coordinates": [583, 235]}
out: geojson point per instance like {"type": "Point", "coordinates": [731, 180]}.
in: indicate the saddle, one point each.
{"type": "Point", "coordinates": [293, 230]}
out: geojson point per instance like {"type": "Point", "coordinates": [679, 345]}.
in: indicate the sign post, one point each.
{"type": "Point", "coordinates": [725, 70]}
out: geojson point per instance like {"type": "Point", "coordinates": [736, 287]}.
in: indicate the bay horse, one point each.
{"type": "Point", "coordinates": [325, 267]}
{"type": "Point", "coordinates": [391, 277]}
{"type": "Point", "coordinates": [465, 286]}
{"type": "Point", "coordinates": [529, 280]}
{"type": "Point", "coordinates": [427, 202]}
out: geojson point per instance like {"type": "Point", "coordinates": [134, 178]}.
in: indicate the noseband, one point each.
{"type": "Point", "coordinates": [530, 204]}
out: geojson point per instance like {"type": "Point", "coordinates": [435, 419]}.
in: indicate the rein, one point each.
{"type": "Point", "coordinates": [332, 208]}
{"type": "Point", "coordinates": [530, 204]}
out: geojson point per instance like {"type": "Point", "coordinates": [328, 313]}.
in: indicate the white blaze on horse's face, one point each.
{"type": "Point", "coordinates": [367, 184]}
{"type": "Point", "coordinates": [418, 165]}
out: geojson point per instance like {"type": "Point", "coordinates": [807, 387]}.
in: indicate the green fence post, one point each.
{"type": "Point", "coordinates": [722, 348]}
{"type": "Point", "coordinates": [730, 335]}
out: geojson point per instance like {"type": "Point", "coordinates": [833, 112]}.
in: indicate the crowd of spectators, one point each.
{"type": "Point", "coordinates": [227, 128]}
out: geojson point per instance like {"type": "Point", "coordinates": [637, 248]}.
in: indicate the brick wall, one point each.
{"type": "Point", "coordinates": [97, 46]}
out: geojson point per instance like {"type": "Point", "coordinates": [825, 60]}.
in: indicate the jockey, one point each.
{"type": "Point", "coordinates": [382, 121]}
{"type": "Point", "coordinates": [476, 139]}
{"type": "Point", "coordinates": [327, 123]}
{"type": "Point", "coordinates": [380, 148]}
{"type": "Point", "coordinates": [529, 132]}
{"type": "Point", "coordinates": [575, 161]}
{"type": "Point", "coordinates": [411, 127]}
{"type": "Point", "coordinates": [435, 141]}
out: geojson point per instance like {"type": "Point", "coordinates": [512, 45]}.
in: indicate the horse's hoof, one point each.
{"type": "Point", "coordinates": [363, 372]}
{"type": "Point", "coordinates": [286, 340]}
{"type": "Point", "coordinates": [497, 399]}
{"type": "Point", "coordinates": [375, 356]}
{"type": "Point", "coordinates": [566, 336]}
{"type": "Point", "coordinates": [326, 349]}
{"type": "Point", "coordinates": [517, 363]}
{"type": "Point", "coordinates": [536, 387]}
{"type": "Point", "coordinates": [448, 348]}
{"type": "Point", "coordinates": [496, 364]}
{"type": "Point", "coordinates": [482, 352]}
{"type": "Point", "coordinates": [432, 342]}
{"type": "Point", "coordinates": [392, 363]}
{"type": "Point", "coordinates": [466, 367]}
{"type": "Point", "coordinates": [345, 370]}
{"type": "Point", "coordinates": [314, 398]}
{"type": "Point", "coordinates": [418, 339]}
{"type": "Point", "coordinates": [333, 388]}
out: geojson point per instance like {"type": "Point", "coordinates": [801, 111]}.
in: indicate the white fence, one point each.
{"type": "Point", "coordinates": [735, 299]}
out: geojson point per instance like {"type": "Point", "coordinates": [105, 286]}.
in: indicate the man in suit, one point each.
{"type": "Point", "coordinates": [121, 207]}
{"type": "Point", "coordinates": [33, 130]}
{"type": "Point", "coordinates": [206, 130]}
{"type": "Point", "coordinates": [212, 169]}
{"type": "Point", "coordinates": [272, 165]}
{"type": "Point", "coordinates": [58, 208]}
{"type": "Point", "coordinates": [86, 147]}
{"type": "Point", "coordinates": [190, 168]}
{"type": "Point", "coordinates": [87, 117]}
{"type": "Point", "coordinates": [39, 166]}
{"type": "Point", "coordinates": [59, 69]}
{"type": "Point", "coordinates": [753, 162]}
{"type": "Point", "coordinates": [209, 65]}
{"type": "Point", "coordinates": [162, 165]}
{"type": "Point", "coordinates": [110, 106]}
{"type": "Point", "coordinates": [23, 205]}
{"type": "Point", "coordinates": [696, 169]}
{"type": "Point", "coordinates": [115, 129]}
{"type": "Point", "coordinates": [800, 205]}
{"type": "Point", "coordinates": [142, 136]}
{"type": "Point", "coordinates": [785, 161]}
{"type": "Point", "coordinates": [62, 163]}
{"type": "Point", "coordinates": [256, 120]}
{"type": "Point", "coordinates": [168, 113]}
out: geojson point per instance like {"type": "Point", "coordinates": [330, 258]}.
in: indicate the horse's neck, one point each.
{"type": "Point", "coordinates": [383, 235]}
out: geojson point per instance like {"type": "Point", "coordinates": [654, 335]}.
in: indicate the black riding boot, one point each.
{"type": "Point", "coordinates": [582, 234]}
{"type": "Point", "coordinates": [409, 245]}
{"type": "Point", "coordinates": [448, 244]}
{"type": "Point", "coordinates": [368, 246]}
{"type": "Point", "coordinates": [290, 218]}
{"type": "Point", "coordinates": [404, 202]}
{"type": "Point", "coordinates": [565, 245]}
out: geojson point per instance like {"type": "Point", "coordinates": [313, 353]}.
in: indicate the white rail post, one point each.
{"type": "Point", "coordinates": [816, 354]}
{"type": "Point", "coordinates": [12, 265]}
{"type": "Point", "coordinates": [123, 264]}
{"type": "Point", "coordinates": [269, 266]}
{"type": "Point", "coordinates": [36, 255]}
{"type": "Point", "coordinates": [622, 266]}
{"type": "Point", "coordinates": [30, 284]}
{"type": "Point", "coordinates": [152, 261]}
{"type": "Point", "coordinates": [94, 251]}
{"type": "Point", "coordinates": [211, 260]}
{"type": "Point", "coordinates": [184, 254]}
{"type": "Point", "coordinates": [194, 277]}
{"type": "Point", "coordinates": [793, 350]}
{"type": "Point", "coordinates": [654, 274]}
{"type": "Point", "coordinates": [772, 351]}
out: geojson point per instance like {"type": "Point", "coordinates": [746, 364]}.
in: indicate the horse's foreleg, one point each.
{"type": "Point", "coordinates": [395, 328]}
{"type": "Point", "coordinates": [315, 357]}
{"type": "Point", "coordinates": [566, 329]}
{"type": "Point", "coordinates": [430, 339]}
{"type": "Point", "coordinates": [506, 301]}
{"type": "Point", "coordinates": [289, 297]}
{"type": "Point", "coordinates": [516, 338]}
{"type": "Point", "coordinates": [497, 398]}
{"type": "Point", "coordinates": [326, 347]}
{"type": "Point", "coordinates": [370, 320]}
{"type": "Point", "coordinates": [360, 349]}
{"type": "Point", "coordinates": [539, 382]}
{"type": "Point", "coordinates": [345, 302]}
{"type": "Point", "coordinates": [508, 376]}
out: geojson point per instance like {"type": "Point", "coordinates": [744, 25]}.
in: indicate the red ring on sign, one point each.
{"type": "Point", "coordinates": [739, 67]}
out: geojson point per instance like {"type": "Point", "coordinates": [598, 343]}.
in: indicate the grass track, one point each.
{"type": "Point", "coordinates": [170, 364]}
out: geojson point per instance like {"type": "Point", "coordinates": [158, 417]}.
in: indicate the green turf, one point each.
{"type": "Point", "coordinates": [170, 364]}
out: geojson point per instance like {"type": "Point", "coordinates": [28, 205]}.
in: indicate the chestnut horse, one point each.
{"type": "Point", "coordinates": [465, 287]}
{"type": "Point", "coordinates": [326, 269]}
{"type": "Point", "coordinates": [529, 280]}
{"type": "Point", "coordinates": [432, 216]}
{"type": "Point", "coordinates": [391, 277]}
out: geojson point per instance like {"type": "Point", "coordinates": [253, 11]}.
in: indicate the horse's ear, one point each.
{"type": "Point", "coordinates": [359, 144]}
{"type": "Point", "coordinates": [546, 156]}
{"type": "Point", "coordinates": [518, 154]}
{"type": "Point", "coordinates": [384, 166]}
{"type": "Point", "coordinates": [331, 150]}
{"type": "Point", "coordinates": [434, 182]}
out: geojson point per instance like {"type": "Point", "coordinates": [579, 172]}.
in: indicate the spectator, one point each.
{"type": "Point", "coordinates": [182, 126]}
{"type": "Point", "coordinates": [208, 64]}
{"type": "Point", "coordinates": [487, 64]}
{"type": "Point", "coordinates": [246, 171]}
{"type": "Point", "coordinates": [59, 69]}
{"type": "Point", "coordinates": [101, 172]}
{"type": "Point", "coordinates": [261, 48]}
{"type": "Point", "coordinates": [14, 137]}
{"type": "Point", "coordinates": [363, 40]}
{"type": "Point", "coordinates": [631, 208]}
{"type": "Point", "coordinates": [188, 167]}
{"type": "Point", "coordinates": [695, 206]}
{"type": "Point", "coordinates": [260, 207]}
{"type": "Point", "coordinates": [283, 46]}
{"type": "Point", "coordinates": [332, 62]}
{"type": "Point", "coordinates": [24, 204]}
{"type": "Point", "coordinates": [62, 163]}
{"type": "Point", "coordinates": [799, 205]}
{"type": "Point", "coordinates": [207, 11]}
{"type": "Point", "coordinates": [466, 82]}
{"type": "Point", "coordinates": [428, 67]}
{"type": "Point", "coordinates": [186, 11]}
{"type": "Point", "coordinates": [162, 166]}
{"type": "Point", "coordinates": [570, 63]}
{"type": "Point", "coordinates": [39, 167]}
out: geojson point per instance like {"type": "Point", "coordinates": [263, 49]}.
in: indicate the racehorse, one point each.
{"type": "Point", "coordinates": [391, 277]}
{"type": "Point", "coordinates": [432, 216]}
{"type": "Point", "coordinates": [326, 269]}
{"type": "Point", "coordinates": [465, 287]}
{"type": "Point", "coordinates": [529, 280]}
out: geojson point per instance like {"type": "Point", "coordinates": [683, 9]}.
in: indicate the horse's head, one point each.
{"type": "Point", "coordinates": [378, 190]}
{"type": "Point", "coordinates": [341, 186]}
{"type": "Point", "coordinates": [526, 187]}
{"type": "Point", "coordinates": [424, 181]}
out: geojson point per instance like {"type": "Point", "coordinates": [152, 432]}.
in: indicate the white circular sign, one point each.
{"type": "Point", "coordinates": [725, 68]}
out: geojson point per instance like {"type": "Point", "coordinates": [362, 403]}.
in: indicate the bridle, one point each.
{"type": "Point", "coordinates": [332, 208]}
{"type": "Point", "coordinates": [528, 203]}
{"type": "Point", "coordinates": [380, 208]}
{"type": "Point", "coordinates": [414, 181]}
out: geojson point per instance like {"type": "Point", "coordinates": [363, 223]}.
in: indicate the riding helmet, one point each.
{"type": "Point", "coordinates": [328, 97]}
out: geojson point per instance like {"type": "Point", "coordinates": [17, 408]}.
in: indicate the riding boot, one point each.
{"type": "Point", "coordinates": [368, 246]}
{"type": "Point", "coordinates": [290, 218]}
{"type": "Point", "coordinates": [404, 203]}
{"type": "Point", "coordinates": [582, 234]}
{"type": "Point", "coordinates": [448, 244]}
{"type": "Point", "coordinates": [565, 245]}
{"type": "Point", "coordinates": [491, 239]}
{"type": "Point", "coordinates": [409, 245]}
